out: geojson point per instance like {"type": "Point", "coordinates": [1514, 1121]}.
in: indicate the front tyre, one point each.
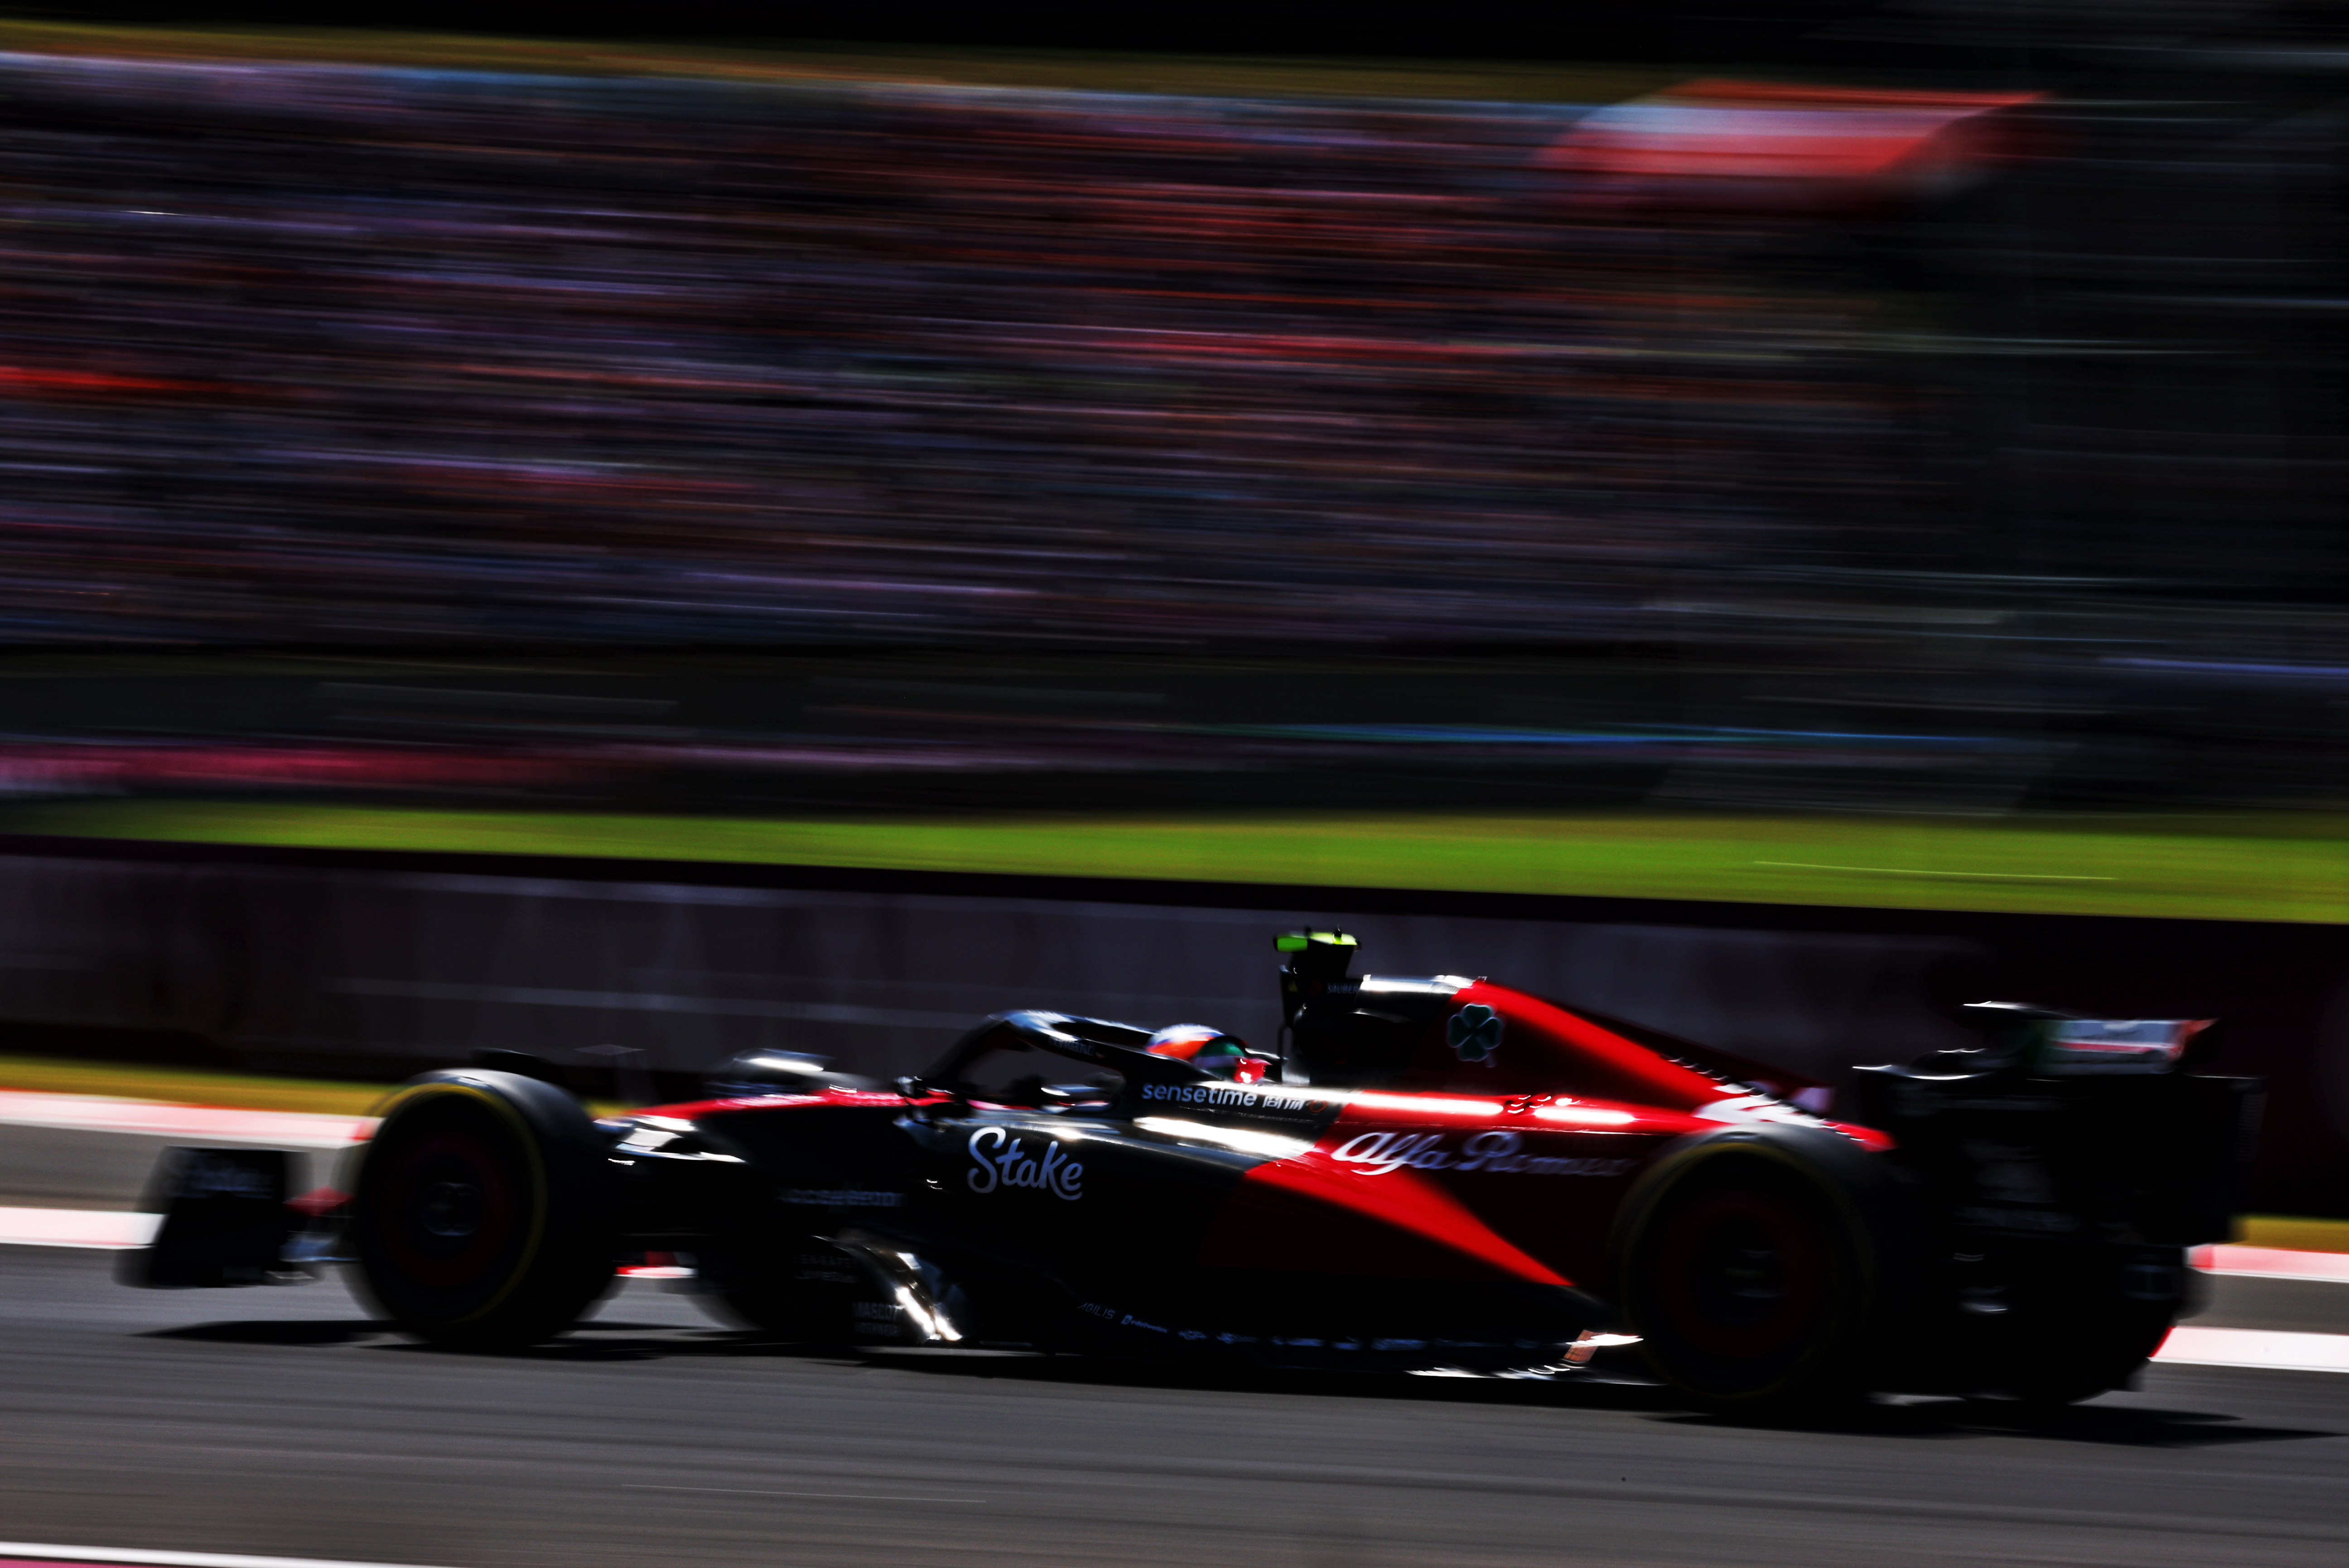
{"type": "Point", "coordinates": [1748, 1270]}
{"type": "Point", "coordinates": [481, 1217]}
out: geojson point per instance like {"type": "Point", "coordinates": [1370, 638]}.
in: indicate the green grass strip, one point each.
{"type": "Point", "coordinates": [197, 1086]}
{"type": "Point", "coordinates": [2296, 1234]}
{"type": "Point", "coordinates": [188, 1086]}
{"type": "Point", "coordinates": [2286, 868]}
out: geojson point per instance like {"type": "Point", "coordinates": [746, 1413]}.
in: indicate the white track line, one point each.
{"type": "Point", "coordinates": [2273, 1263]}
{"type": "Point", "coordinates": [2266, 1348]}
{"type": "Point", "coordinates": [25, 1549]}
{"type": "Point", "coordinates": [76, 1228]}
{"type": "Point", "coordinates": [220, 1124]}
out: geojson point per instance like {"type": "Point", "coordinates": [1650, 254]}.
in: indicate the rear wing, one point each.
{"type": "Point", "coordinates": [2152, 1158]}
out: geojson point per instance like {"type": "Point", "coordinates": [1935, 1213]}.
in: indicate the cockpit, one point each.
{"type": "Point", "coordinates": [1341, 1033]}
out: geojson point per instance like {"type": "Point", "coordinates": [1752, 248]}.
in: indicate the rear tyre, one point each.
{"type": "Point", "coordinates": [2087, 1326]}
{"type": "Point", "coordinates": [481, 1218]}
{"type": "Point", "coordinates": [1748, 1271]}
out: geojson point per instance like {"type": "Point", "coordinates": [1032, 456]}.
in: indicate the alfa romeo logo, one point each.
{"type": "Point", "coordinates": [1474, 1034]}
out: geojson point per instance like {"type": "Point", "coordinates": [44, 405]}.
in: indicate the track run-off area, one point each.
{"type": "Point", "coordinates": [219, 1428]}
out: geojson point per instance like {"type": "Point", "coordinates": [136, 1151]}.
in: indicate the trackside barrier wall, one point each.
{"type": "Point", "coordinates": [356, 962]}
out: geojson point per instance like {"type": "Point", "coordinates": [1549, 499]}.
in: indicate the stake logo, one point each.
{"type": "Point", "coordinates": [999, 1159]}
{"type": "Point", "coordinates": [1474, 1034]}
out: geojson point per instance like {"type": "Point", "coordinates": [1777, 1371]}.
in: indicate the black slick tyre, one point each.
{"type": "Point", "coordinates": [1748, 1268]}
{"type": "Point", "coordinates": [481, 1217]}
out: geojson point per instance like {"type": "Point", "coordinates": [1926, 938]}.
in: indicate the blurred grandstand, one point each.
{"type": "Point", "coordinates": [391, 357]}
{"type": "Point", "coordinates": [1987, 476]}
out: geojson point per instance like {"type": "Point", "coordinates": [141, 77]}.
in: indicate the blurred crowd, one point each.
{"type": "Point", "coordinates": [1982, 436]}
{"type": "Point", "coordinates": [319, 355]}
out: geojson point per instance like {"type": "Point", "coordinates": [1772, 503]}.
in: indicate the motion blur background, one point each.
{"type": "Point", "coordinates": [1549, 430]}
{"type": "Point", "coordinates": [1862, 455]}
{"type": "Point", "coordinates": [662, 529]}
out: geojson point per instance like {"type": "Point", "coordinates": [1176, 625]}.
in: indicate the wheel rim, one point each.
{"type": "Point", "coordinates": [449, 1210]}
{"type": "Point", "coordinates": [1740, 1274]}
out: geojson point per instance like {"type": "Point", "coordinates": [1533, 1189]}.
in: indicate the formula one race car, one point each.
{"type": "Point", "coordinates": [1430, 1173]}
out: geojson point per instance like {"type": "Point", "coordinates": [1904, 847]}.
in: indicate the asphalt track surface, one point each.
{"type": "Point", "coordinates": [282, 1422]}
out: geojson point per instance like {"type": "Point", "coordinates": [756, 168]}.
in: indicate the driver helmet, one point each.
{"type": "Point", "coordinates": [1225, 1056]}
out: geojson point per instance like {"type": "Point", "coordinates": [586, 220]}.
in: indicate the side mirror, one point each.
{"type": "Point", "coordinates": [913, 1088]}
{"type": "Point", "coordinates": [1100, 1090]}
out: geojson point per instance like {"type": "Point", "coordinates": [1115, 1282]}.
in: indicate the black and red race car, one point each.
{"type": "Point", "coordinates": [1429, 1173]}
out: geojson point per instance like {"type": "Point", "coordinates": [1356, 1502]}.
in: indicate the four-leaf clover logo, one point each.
{"type": "Point", "coordinates": [1474, 1034]}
